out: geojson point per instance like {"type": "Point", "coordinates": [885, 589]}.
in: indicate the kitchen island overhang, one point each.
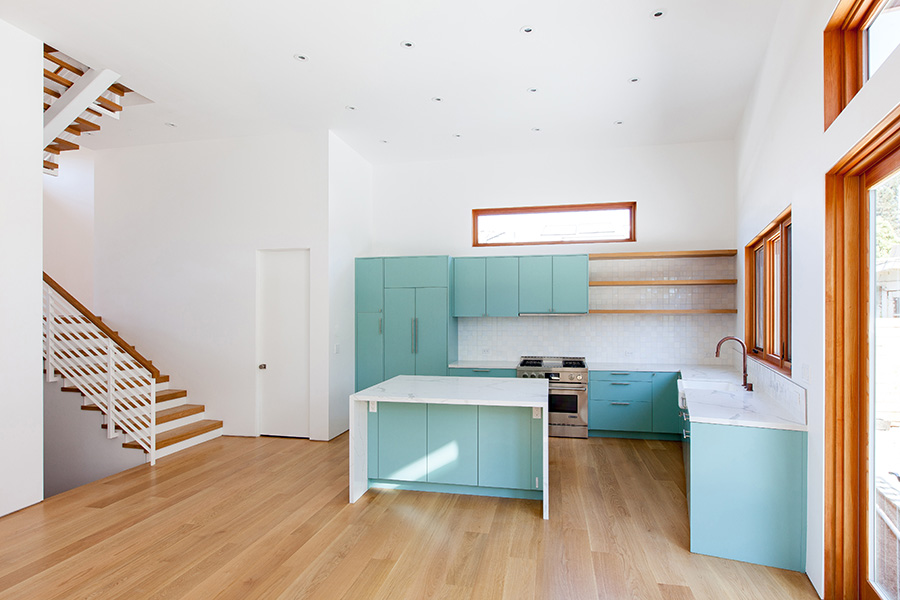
{"type": "Point", "coordinates": [467, 412]}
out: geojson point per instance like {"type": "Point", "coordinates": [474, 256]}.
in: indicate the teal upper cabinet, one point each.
{"type": "Point", "coordinates": [536, 284]}
{"type": "Point", "coordinates": [570, 284]}
{"type": "Point", "coordinates": [486, 287]}
{"type": "Point", "coordinates": [369, 285]}
{"type": "Point", "coordinates": [553, 284]}
{"type": "Point", "coordinates": [417, 271]}
{"type": "Point", "coordinates": [502, 282]}
{"type": "Point", "coordinates": [469, 287]}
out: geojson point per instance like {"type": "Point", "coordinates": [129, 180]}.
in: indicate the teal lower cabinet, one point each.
{"type": "Point", "coordinates": [455, 372]}
{"type": "Point", "coordinates": [634, 404]}
{"type": "Point", "coordinates": [452, 444]}
{"type": "Point", "coordinates": [747, 494]}
{"type": "Point", "coordinates": [463, 449]}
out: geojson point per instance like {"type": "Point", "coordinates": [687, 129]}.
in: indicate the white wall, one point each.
{"type": "Point", "coordinates": [21, 121]}
{"type": "Point", "coordinates": [76, 449]}
{"type": "Point", "coordinates": [685, 195]}
{"type": "Point", "coordinates": [350, 235]}
{"type": "Point", "coordinates": [177, 228]}
{"type": "Point", "coordinates": [69, 225]}
{"type": "Point", "coordinates": [783, 156]}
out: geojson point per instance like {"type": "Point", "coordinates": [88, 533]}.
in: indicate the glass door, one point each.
{"type": "Point", "coordinates": [884, 388]}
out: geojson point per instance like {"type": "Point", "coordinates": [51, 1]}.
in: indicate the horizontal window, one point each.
{"type": "Point", "coordinates": [567, 224]}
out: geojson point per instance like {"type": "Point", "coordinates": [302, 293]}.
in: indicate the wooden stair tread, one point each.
{"type": "Point", "coordinates": [173, 414]}
{"type": "Point", "coordinates": [162, 396]}
{"type": "Point", "coordinates": [180, 434]}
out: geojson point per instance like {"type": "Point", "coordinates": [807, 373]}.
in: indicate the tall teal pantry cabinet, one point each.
{"type": "Point", "coordinates": [403, 322]}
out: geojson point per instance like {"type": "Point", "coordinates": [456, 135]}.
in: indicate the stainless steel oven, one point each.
{"type": "Point", "coordinates": [568, 396]}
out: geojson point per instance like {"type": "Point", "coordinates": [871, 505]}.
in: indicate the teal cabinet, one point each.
{"type": "Point", "coordinates": [748, 494]}
{"type": "Point", "coordinates": [452, 444]}
{"type": "Point", "coordinates": [369, 285]}
{"type": "Point", "coordinates": [417, 271]}
{"type": "Point", "coordinates": [369, 291]}
{"type": "Point", "coordinates": [570, 284]}
{"type": "Point", "coordinates": [505, 443]}
{"type": "Point", "coordinates": [634, 404]}
{"type": "Point", "coordinates": [486, 287]}
{"type": "Point", "coordinates": [469, 287]}
{"type": "Point", "coordinates": [369, 349]}
{"type": "Point", "coordinates": [415, 331]}
{"type": "Point", "coordinates": [402, 445]}
{"type": "Point", "coordinates": [535, 284]}
{"type": "Point", "coordinates": [666, 413]}
{"type": "Point", "coordinates": [482, 372]}
{"type": "Point", "coordinates": [553, 284]}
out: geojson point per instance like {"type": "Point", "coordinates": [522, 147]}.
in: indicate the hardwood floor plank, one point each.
{"type": "Point", "coordinates": [268, 518]}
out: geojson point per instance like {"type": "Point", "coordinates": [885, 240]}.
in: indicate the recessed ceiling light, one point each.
{"type": "Point", "coordinates": [532, 90]}
{"type": "Point", "coordinates": [384, 141]}
{"type": "Point", "coordinates": [535, 129]}
{"type": "Point", "coordinates": [658, 14]}
{"type": "Point", "coordinates": [167, 124]}
{"type": "Point", "coordinates": [618, 122]}
{"type": "Point", "coordinates": [526, 29]}
{"type": "Point", "coordinates": [350, 107]}
{"type": "Point", "coordinates": [407, 44]}
{"type": "Point", "coordinates": [437, 99]}
{"type": "Point", "coordinates": [457, 135]}
{"type": "Point", "coordinates": [634, 79]}
{"type": "Point", "coordinates": [301, 57]}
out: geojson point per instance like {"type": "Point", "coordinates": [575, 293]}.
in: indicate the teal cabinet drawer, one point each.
{"type": "Point", "coordinates": [417, 271]}
{"type": "Point", "coordinates": [621, 375]}
{"type": "Point", "coordinates": [625, 391]}
{"type": "Point", "coordinates": [620, 415]}
{"type": "Point", "coordinates": [482, 372]}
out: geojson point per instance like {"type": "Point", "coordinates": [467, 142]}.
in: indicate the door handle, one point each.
{"type": "Point", "coordinates": [618, 383]}
{"type": "Point", "coordinates": [379, 326]}
{"type": "Point", "coordinates": [416, 335]}
{"type": "Point", "coordinates": [620, 403]}
{"type": "Point", "coordinates": [412, 336]}
{"type": "Point", "coordinates": [262, 367]}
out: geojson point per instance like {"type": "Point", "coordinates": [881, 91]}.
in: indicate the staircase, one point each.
{"type": "Point", "coordinates": [134, 399]}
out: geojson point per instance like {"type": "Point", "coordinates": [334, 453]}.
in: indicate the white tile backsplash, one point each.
{"type": "Point", "coordinates": [620, 338]}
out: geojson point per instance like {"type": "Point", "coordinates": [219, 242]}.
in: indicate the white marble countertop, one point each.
{"type": "Point", "coordinates": [482, 391]}
{"type": "Point", "coordinates": [485, 364]}
{"type": "Point", "coordinates": [731, 404]}
{"type": "Point", "coordinates": [688, 371]}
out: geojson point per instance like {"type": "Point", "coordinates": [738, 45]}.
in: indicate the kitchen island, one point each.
{"type": "Point", "coordinates": [482, 436]}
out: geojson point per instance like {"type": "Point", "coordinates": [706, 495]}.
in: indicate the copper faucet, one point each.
{"type": "Point", "coordinates": [747, 386]}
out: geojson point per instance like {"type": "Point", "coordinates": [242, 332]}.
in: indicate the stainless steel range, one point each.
{"type": "Point", "coordinates": [568, 399]}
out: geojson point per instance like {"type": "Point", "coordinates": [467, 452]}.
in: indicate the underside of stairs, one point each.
{"type": "Point", "coordinates": [179, 424]}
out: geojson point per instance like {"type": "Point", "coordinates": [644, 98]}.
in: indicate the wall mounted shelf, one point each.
{"type": "Point", "coordinates": [664, 311]}
{"type": "Point", "coordinates": [671, 254]}
{"type": "Point", "coordinates": [667, 282]}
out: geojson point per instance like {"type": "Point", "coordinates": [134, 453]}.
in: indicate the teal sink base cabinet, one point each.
{"type": "Point", "coordinates": [632, 435]}
{"type": "Point", "coordinates": [746, 491]}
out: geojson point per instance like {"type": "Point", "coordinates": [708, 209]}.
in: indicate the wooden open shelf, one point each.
{"type": "Point", "coordinates": [672, 254]}
{"type": "Point", "coordinates": [664, 311]}
{"type": "Point", "coordinates": [666, 282]}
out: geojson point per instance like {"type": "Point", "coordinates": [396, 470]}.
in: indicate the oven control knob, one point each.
{"type": "Point", "coordinates": [578, 377]}
{"type": "Point", "coordinates": [571, 377]}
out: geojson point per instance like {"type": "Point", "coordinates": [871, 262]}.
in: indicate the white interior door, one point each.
{"type": "Point", "coordinates": [282, 342]}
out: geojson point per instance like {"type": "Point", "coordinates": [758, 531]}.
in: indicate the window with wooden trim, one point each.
{"type": "Point", "coordinates": [768, 287]}
{"type": "Point", "coordinates": [858, 39]}
{"type": "Point", "coordinates": [564, 224]}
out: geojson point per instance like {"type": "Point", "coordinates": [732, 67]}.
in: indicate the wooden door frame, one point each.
{"type": "Point", "coordinates": [846, 357]}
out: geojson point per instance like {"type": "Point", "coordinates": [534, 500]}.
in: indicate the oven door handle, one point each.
{"type": "Point", "coordinates": [568, 389]}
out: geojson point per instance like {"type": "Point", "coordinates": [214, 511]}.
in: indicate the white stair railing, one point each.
{"type": "Point", "coordinates": [106, 371]}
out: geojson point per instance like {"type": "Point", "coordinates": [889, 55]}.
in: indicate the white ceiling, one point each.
{"type": "Point", "coordinates": [223, 68]}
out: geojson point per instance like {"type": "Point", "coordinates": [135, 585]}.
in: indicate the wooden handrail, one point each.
{"type": "Point", "coordinates": [102, 326]}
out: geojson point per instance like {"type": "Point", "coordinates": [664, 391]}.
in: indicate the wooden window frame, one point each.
{"type": "Point", "coordinates": [773, 232]}
{"type": "Point", "coordinates": [846, 66]}
{"type": "Point", "coordinates": [631, 206]}
{"type": "Point", "coordinates": [847, 355]}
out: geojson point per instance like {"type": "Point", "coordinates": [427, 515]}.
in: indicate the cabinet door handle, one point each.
{"type": "Point", "coordinates": [618, 373]}
{"type": "Point", "coordinates": [481, 370]}
{"type": "Point", "coordinates": [618, 383]}
{"type": "Point", "coordinates": [686, 433]}
{"type": "Point", "coordinates": [379, 326]}
{"type": "Point", "coordinates": [412, 336]}
{"type": "Point", "coordinates": [416, 336]}
{"type": "Point", "coordinates": [620, 403]}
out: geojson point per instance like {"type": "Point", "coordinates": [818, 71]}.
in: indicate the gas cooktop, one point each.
{"type": "Point", "coordinates": [553, 362]}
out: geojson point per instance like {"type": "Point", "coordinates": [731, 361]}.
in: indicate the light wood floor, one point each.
{"type": "Point", "coordinates": [268, 518]}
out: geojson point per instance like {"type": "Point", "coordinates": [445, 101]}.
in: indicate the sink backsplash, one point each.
{"type": "Point", "coordinates": [790, 395]}
{"type": "Point", "coordinates": [687, 339]}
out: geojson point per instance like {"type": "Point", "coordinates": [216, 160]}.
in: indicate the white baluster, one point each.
{"type": "Point", "coordinates": [152, 419]}
{"type": "Point", "coordinates": [51, 334]}
{"type": "Point", "coordinates": [110, 388]}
